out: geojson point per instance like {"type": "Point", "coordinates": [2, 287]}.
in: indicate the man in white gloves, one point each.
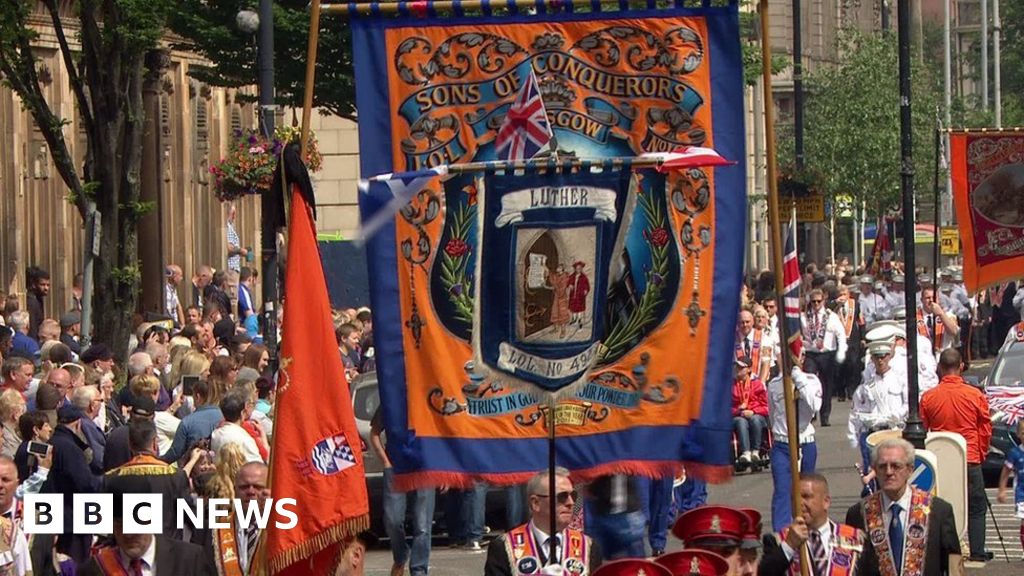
{"type": "Point", "coordinates": [880, 403]}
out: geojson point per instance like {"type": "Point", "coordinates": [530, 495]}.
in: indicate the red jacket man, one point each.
{"type": "Point", "coordinates": [956, 406]}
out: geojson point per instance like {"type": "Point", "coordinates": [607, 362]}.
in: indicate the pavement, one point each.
{"type": "Point", "coordinates": [835, 461]}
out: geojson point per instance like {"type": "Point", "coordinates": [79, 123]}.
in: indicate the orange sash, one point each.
{"type": "Point", "coordinates": [755, 350]}
{"type": "Point", "coordinates": [524, 552]}
{"type": "Point", "coordinates": [847, 545]}
{"type": "Point", "coordinates": [110, 562]}
{"type": "Point", "coordinates": [915, 534]}
{"type": "Point", "coordinates": [847, 315]}
{"type": "Point", "coordinates": [940, 330]}
{"type": "Point", "coordinates": [225, 552]}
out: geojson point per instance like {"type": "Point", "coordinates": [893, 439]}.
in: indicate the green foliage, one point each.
{"type": "Point", "coordinates": [210, 30]}
{"type": "Point", "coordinates": [852, 124]}
{"type": "Point", "coordinates": [751, 45]}
{"type": "Point", "coordinates": [129, 276]}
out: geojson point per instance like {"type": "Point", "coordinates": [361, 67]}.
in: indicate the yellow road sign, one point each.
{"type": "Point", "coordinates": [949, 241]}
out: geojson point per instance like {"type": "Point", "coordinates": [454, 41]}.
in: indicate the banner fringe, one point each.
{"type": "Point", "coordinates": [333, 535]}
{"type": "Point", "coordinates": [651, 469]}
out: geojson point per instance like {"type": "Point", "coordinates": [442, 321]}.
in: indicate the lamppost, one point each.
{"type": "Point", "coordinates": [262, 24]}
{"type": "Point", "coordinates": [914, 431]}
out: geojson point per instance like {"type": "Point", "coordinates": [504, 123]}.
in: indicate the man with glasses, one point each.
{"type": "Point", "coordinates": [526, 549]}
{"type": "Point", "coordinates": [910, 532]}
{"type": "Point", "coordinates": [824, 344]}
{"type": "Point", "coordinates": [880, 403]}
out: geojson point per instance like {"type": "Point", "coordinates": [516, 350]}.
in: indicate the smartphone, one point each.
{"type": "Point", "coordinates": [188, 383]}
{"type": "Point", "coordinates": [40, 449]}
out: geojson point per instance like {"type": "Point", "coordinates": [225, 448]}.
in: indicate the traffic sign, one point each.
{"type": "Point", "coordinates": [949, 241]}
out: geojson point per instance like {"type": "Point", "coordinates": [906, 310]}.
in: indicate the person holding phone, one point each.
{"type": "Point", "coordinates": [35, 430]}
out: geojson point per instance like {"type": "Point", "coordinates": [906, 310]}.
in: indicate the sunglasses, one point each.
{"type": "Point", "coordinates": [561, 497]}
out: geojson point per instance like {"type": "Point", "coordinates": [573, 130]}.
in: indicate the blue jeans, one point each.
{"type": "Point", "coordinates": [619, 535]}
{"type": "Point", "coordinates": [656, 498]}
{"type": "Point", "coordinates": [514, 515]}
{"type": "Point", "coordinates": [782, 478]}
{"type": "Point", "coordinates": [749, 431]}
{"type": "Point", "coordinates": [394, 524]}
{"type": "Point", "coordinates": [464, 514]}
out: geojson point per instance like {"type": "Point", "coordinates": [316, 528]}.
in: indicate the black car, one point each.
{"type": "Point", "coordinates": [1004, 387]}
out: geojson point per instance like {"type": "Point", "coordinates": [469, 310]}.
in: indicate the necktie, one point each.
{"type": "Point", "coordinates": [252, 538]}
{"type": "Point", "coordinates": [818, 554]}
{"type": "Point", "coordinates": [896, 536]}
{"type": "Point", "coordinates": [136, 567]}
{"type": "Point", "coordinates": [746, 347]}
{"type": "Point", "coordinates": [547, 549]}
{"type": "Point", "coordinates": [931, 327]}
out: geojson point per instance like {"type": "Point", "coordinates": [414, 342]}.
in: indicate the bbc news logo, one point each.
{"type": "Point", "coordinates": [93, 514]}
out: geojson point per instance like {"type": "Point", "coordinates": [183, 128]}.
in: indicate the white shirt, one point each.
{"type": "Point", "coordinates": [825, 532]}
{"type": "Point", "coordinates": [1018, 300]}
{"type": "Point", "coordinates": [830, 331]}
{"type": "Point", "coordinates": [541, 538]}
{"type": "Point", "coordinates": [148, 560]}
{"type": "Point", "coordinates": [877, 403]}
{"type": "Point", "coordinates": [243, 547]}
{"type": "Point", "coordinates": [873, 307]}
{"type": "Point", "coordinates": [166, 427]}
{"type": "Point", "coordinates": [808, 395]}
{"type": "Point", "coordinates": [927, 365]}
{"type": "Point", "coordinates": [171, 301]}
{"type": "Point", "coordinates": [948, 336]}
{"type": "Point", "coordinates": [22, 563]}
{"type": "Point", "coordinates": [231, 433]}
{"type": "Point", "coordinates": [895, 299]}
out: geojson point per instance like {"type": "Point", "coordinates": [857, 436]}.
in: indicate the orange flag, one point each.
{"type": "Point", "coordinates": [316, 458]}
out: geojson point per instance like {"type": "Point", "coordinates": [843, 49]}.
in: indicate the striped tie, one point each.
{"type": "Point", "coordinates": [817, 550]}
{"type": "Point", "coordinates": [252, 539]}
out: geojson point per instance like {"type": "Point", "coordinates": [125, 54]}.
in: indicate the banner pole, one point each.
{"type": "Point", "coordinates": [793, 435]}
{"type": "Point", "coordinates": [552, 496]}
{"type": "Point", "coordinates": [307, 98]}
{"type": "Point", "coordinates": [938, 210]}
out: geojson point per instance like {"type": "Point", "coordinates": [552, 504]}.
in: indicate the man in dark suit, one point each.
{"type": "Point", "coordinates": [905, 526]}
{"type": "Point", "coordinates": [525, 549]}
{"type": "Point", "coordinates": [146, 554]}
{"type": "Point", "coordinates": [146, 473]}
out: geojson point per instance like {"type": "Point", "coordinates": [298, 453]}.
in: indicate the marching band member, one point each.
{"type": "Point", "coordinates": [825, 344]}
{"type": "Point", "coordinates": [873, 306]}
{"type": "Point", "coordinates": [880, 403]}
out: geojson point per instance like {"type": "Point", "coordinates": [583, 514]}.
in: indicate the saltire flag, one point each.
{"type": "Point", "coordinates": [881, 252]}
{"type": "Point", "coordinates": [791, 296]}
{"type": "Point", "coordinates": [525, 130]}
{"type": "Point", "coordinates": [315, 460]}
{"type": "Point", "coordinates": [392, 192]}
{"type": "Point", "coordinates": [688, 157]}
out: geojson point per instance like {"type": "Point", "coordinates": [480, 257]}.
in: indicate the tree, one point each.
{"type": "Point", "coordinates": [852, 145]}
{"type": "Point", "coordinates": [208, 28]}
{"type": "Point", "coordinates": [106, 75]}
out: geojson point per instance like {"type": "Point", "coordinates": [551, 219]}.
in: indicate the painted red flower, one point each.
{"type": "Point", "coordinates": [658, 237]}
{"type": "Point", "coordinates": [456, 247]}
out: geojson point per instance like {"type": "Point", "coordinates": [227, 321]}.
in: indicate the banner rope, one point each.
{"type": "Point", "coordinates": [431, 8]}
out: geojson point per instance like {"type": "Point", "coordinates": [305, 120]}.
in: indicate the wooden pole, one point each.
{"type": "Point", "coordinates": [777, 260]}
{"type": "Point", "coordinates": [307, 99]}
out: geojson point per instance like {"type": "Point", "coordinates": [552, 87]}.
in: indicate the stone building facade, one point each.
{"type": "Point", "coordinates": [193, 126]}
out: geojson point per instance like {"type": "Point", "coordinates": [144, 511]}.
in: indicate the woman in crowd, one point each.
{"type": "Point", "coordinates": [12, 406]}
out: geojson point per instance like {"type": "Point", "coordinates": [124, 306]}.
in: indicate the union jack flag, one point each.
{"type": "Point", "coordinates": [525, 129]}
{"type": "Point", "coordinates": [1006, 403]}
{"type": "Point", "coordinates": [791, 297]}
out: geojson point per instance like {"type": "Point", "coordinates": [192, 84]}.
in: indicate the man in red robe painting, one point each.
{"type": "Point", "coordinates": [579, 287]}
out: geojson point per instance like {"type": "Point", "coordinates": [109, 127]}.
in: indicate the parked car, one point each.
{"type": "Point", "coordinates": [365, 402]}
{"type": "Point", "coordinates": [1004, 387]}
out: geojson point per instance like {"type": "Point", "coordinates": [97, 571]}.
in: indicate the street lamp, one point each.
{"type": "Point", "coordinates": [262, 23]}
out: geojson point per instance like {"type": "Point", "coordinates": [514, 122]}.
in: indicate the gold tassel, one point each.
{"type": "Point", "coordinates": [318, 543]}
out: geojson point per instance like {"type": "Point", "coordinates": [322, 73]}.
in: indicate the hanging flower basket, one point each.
{"type": "Point", "coordinates": [248, 168]}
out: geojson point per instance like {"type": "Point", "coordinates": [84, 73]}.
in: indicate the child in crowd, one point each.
{"type": "Point", "coordinates": [1015, 467]}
